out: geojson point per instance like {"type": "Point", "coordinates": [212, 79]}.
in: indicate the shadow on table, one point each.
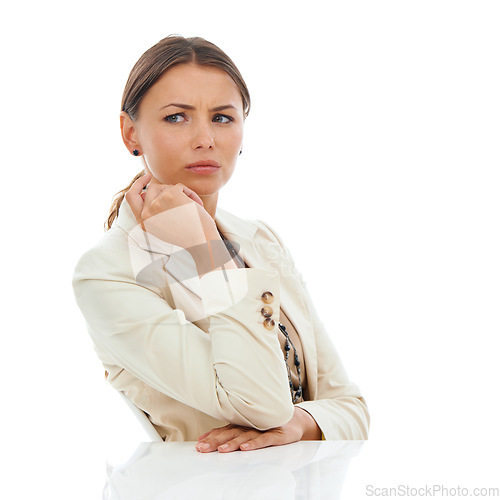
{"type": "Point", "coordinates": [306, 469]}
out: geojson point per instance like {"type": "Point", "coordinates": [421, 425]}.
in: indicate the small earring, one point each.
{"type": "Point", "coordinates": [241, 151]}
{"type": "Point", "coordinates": [135, 152]}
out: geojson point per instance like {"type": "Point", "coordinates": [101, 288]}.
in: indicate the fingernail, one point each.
{"type": "Point", "coordinates": [202, 446]}
{"type": "Point", "coordinates": [244, 445]}
{"type": "Point", "coordinates": [223, 446]}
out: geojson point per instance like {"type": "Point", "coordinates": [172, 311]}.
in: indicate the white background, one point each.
{"type": "Point", "coordinates": [372, 147]}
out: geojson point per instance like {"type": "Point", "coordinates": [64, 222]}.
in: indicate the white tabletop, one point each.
{"type": "Point", "coordinates": [306, 469]}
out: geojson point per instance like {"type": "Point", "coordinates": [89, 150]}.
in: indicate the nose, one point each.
{"type": "Point", "coordinates": [203, 137]}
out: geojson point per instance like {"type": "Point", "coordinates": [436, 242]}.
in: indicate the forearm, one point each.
{"type": "Point", "coordinates": [211, 256]}
{"type": "Point", "coordinates": [340, 418]}
{"type": "Point", "coordinates": [136, 329]}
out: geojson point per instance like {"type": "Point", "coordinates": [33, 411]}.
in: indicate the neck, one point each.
{"type": "Point", "coordinates": [210, 203]}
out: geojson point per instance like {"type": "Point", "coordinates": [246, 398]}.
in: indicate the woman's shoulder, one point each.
{"type": "Point", "coordinates": [108, 253]}
{"type": "Point", "coordinates": [112, 251]}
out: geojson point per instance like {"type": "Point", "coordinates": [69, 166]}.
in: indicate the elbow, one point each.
{"type": "Point", "coordinates": [364, 419]}
{"type": "Point", "coordinates": [358, 426]}
{"type": "Point", "coordinates": [272, 417]}
{"type": "Point", "coordinates": [262, 414]}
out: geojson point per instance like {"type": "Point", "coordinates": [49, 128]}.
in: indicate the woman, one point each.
{"type": "Point", "coordinates": [198, 316]}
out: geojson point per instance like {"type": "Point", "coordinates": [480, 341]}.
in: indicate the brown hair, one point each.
{"type": "Point", "coordinates": [151, 66]}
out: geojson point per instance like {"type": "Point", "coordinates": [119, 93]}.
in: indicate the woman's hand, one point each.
{"type": "Point", "coordinates": [157, 198]}
{"type": "Point", "coordinates": [175, 214]}
{"type": "Point", "coordinates": [172, 213]}
{"type": "Point", "coordinates": [234, 437]}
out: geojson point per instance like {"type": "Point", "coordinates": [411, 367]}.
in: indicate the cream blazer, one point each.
{"type": "Point", "coordinates": [194, 353]}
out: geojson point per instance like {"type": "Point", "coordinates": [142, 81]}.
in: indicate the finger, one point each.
{"type": "Point", "coordinates": [171, 194]}
{"type": "Point", "coordinates": [216, 439]}
{"type": "Point", "coordinates": [217, 430]}
{"type": "Point", "coordinates": [212, 434]}
{"type": "Point", "coordinates": [159, 196]}
{"type": "Point", "coordinates": [264, 440]}
{"type": "Point", "coordinates": [235, 443]}
{"type": "Point", "coordinates": [204, 435]}
{"type": "Point", "coordinates": [153, 191]}
{"type": "Point", "coordinates": [133, 195]}
{"type": "Point", "coordinates": [191, 194]}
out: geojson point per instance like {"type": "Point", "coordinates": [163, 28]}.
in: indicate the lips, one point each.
{"type": "Point", "coordinates": [204, 163]}
{"type": "Point", "coordinates": [203, 167]}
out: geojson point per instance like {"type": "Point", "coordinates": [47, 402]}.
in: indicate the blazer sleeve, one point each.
{"type": "Point", "coordinates": [339, 408]}
{"type": "Point", "coordinates": [232, 370]}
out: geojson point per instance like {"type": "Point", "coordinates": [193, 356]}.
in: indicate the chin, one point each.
{"type": "Point", "coordinates": [205, 187]}
{"type": "Point", "coordinates": [204, 191]}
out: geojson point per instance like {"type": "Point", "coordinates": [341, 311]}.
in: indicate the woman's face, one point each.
{"type": "Point", "coordinates": [192, 114]}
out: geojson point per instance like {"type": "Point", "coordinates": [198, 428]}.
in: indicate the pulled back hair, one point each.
{"type": "Point", "coordinates": [153, 64]}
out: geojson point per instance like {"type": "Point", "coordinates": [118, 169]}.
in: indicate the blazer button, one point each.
{"type": "Point", "coordinates": [267, 297]}
{"type": "Point", "coordinates": [269, 323]}
{"type": "Point", "coordinates": [266, 311]}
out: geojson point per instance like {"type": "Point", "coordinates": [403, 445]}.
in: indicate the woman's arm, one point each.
{"type": "Point", "coordinates": [233, 371]}
{"type": "Point", "coordinates": [233, 368]}
{"type": "Point", "coordinates": [338, 411]}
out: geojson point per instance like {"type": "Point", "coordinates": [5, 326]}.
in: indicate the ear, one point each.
{"type": "Point", "coordinates": [129, 133]}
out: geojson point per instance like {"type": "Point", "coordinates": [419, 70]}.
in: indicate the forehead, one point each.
{"type": "Point", "coordinates": [194, 85]}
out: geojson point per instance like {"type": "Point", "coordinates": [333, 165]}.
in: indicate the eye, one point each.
{"type": "Point", "coordinates": [176, 118]}
{"type": "Point", "coordinates": [218, 118]}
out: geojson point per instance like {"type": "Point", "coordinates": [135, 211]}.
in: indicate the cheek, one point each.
{"type": "Point", "coordinates": [163, 138]}
{"type": "Point", "coordinates": [163, 145]}
{"type": "Point", "coordinates": [234, 139]}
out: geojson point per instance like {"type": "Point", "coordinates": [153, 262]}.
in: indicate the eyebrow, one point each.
{"type": "Point", "coordinates": [188, 106]}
